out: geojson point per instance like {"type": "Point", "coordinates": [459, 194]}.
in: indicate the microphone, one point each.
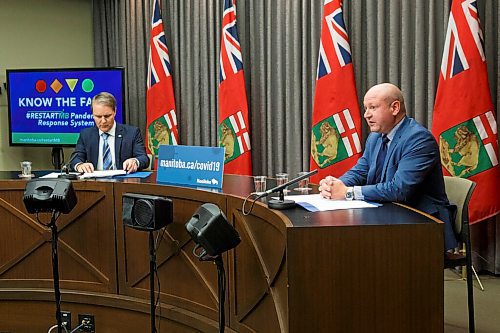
{"type": "Point", "coordinates": [281, 203]}
{"type": "Point", "coordinates": [65, 168]}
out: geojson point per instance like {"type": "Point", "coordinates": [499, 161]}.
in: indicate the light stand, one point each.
{"type": "Point", "coordinates": [55, 268]}
{"type": "Point", "coordinates": [152, 270]}
{"type": "Point", "coordinates": [54, 196]}
{"type": "Point", "coordinates": [221, 286]}
{"type": "Point", "coordinates": [148, 213]}
{"type": "Point", "coordinates": [211, 232]}
{"type": "Point", "coordinates": [221, 283]}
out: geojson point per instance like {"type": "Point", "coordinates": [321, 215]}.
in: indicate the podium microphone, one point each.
{"type": "Point", "coordinates": [65, 169]}
{"type": "Point", "coordinates": [281, 203]}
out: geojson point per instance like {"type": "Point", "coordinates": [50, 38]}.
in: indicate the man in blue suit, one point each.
{"type": "Point", "coordinates": [109, 145]}
{"type": "Point", "coordinates": [400, 163]}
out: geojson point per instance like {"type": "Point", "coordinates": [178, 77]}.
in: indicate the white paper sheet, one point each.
{"type": "Point", "coordinates": [95, 174]}
{"type": "Point", "coordinates": [316, 203]}
{"type": "Point", "coordinates": [103, 173]}
{"type": "Point", "coordinates": [56, 174]}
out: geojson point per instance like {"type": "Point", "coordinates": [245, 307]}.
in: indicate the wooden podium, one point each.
{"type": "Point", "coordinates": [364, 270]}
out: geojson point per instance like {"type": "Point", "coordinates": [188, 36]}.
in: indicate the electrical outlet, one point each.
{"type": "Point", "coordinates": [87, 321]}
{"type": "Point", "coordinates": [66, 319]}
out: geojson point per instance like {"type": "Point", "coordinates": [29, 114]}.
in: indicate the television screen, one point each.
{"type": "Point", "coordinates": [49, 107]}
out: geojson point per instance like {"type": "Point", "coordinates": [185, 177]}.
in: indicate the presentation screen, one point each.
{"type": "Point", "coordinates": [49, 107]}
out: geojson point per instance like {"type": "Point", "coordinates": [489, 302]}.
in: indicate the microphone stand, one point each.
{"type": "Point", "coordinates": [67, 175]}
{"type": "Point", "coordinates": [283, 203]}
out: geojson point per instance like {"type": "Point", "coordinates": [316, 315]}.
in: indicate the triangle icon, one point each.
{"type": "Point", "coordinates": [71, 83]}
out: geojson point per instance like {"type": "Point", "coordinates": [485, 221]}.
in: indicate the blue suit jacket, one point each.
{"type": "Point", "coordinates": [411, 174]}
{"type": "Point", "coordinates": [128, 144]}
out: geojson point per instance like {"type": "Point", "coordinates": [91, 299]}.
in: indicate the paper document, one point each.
{"type": "Point", "coordinates": [56, 174]}
{"type": "Point", "coordinates": [316, 203]}
{"type": "Point", "coordinates": [103, 173]}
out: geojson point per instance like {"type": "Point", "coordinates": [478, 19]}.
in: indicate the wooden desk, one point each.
{"type": "Point", "coordinates": [366, 270]}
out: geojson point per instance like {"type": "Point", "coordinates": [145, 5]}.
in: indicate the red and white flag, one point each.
{"type": "Point", "coordinates": [464, 118]}
{"type": "Point", "coordinates": [336, 121]}
{"type": "Point", "coordinates": [161, 118]}
{"type": "Point", "coordinates": [234, 130]}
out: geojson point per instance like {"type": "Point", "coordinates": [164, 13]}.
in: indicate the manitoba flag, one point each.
{"type": "Point", "coordinates": [161, 119]}
{"type": "Point", "coordinates": [464, 119]}
{"type": "Point", "coordinates": [336, 122]}
{"type": "Point", "coordinates": [234, 132]}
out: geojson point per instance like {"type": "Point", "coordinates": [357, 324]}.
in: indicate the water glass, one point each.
{"type": "Point", "coordinates": [282, 178]}
{"type": "Point", "coordinates": [260, 184]}
{"type": "Point", "coordinates": [25, 169]}
{"type": "Point", "coordinates": [304, 183]}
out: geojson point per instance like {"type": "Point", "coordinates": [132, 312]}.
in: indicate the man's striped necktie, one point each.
{"type": "Point", "coordinates": [107, 163]}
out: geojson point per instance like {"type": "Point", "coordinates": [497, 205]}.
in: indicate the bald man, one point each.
{"type": "Point", "coordinates": [400, 162]}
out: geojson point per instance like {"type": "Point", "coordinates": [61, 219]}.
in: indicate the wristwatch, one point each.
{"type": "Point", "coordinates": [349, 195]}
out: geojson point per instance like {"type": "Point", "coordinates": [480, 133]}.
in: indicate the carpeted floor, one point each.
{"type": "Point", "coordinates": [486, 303]}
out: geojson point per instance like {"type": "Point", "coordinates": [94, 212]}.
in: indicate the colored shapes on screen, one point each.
{"type": "Point", "coordinates": [40, 86]}
{"type": "Point", "coordinates": [56, 86]}
{"type": "Point", "coordinates": [87, 85]}
{"type": "Point", "coordinates": [71, 83]}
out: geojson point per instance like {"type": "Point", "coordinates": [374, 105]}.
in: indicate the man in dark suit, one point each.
{"type": "Point", "coordinates": [400, 163]}
{"type": "Point", "coordinates": [109, 145]}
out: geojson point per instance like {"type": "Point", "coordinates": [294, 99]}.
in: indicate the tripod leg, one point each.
{"type": "Point", "coordinates": [477, 278]}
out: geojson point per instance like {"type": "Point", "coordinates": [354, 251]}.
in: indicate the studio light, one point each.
{"type": "Point", "coordinates": [47, 195]}
{"type": "Point", "coordinates": [54, 196]}
{"type": "Point", "coordinates": [209, 229]}
{"type": "Point", "coordinates": [148, 213]}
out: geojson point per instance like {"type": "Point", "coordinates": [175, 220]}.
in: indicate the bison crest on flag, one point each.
{"type": "Point", "coordinates": [468, 148]}
{"type": "Point", "coordinates": [233, 136]}
{"type": "Point", "coordinates": [332, 142]}
{"type": "Point", "coordinates": [162, 131]}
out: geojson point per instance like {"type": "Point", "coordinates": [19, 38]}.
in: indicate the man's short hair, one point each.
{"type": "Point", "coordinates": [104, 98]}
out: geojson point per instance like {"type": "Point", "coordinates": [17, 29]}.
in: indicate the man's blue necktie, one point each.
{"type": "Point", "coordinates": [107, 163]}
{"type": "Point", "coordinates": [381, 158]}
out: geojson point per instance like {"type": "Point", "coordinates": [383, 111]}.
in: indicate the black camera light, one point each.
{"type": "Point", "coordinates": [146, 212]}
{"type": "Point", "coordinates": [208, 228]}
{"type": "Point", "coordinates": [47, 195]}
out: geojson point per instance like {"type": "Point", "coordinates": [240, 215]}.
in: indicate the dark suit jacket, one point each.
{"type": "Point", "coordinates": [128, 144]}
{"type": "Point", "coordinates": [411, 174]}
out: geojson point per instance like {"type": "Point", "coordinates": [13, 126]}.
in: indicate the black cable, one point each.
{"type": "Point", "coordinates": [77, 328]}
{"type": "Point", "coordinates": [159, 239]}
{"type": "Point", "coordinates": [47, 225]}
{"type": "Point", "coordinates": [258, 196]}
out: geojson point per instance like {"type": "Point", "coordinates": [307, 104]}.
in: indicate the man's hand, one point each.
{"type": "Point", "coordinates": [130, 165]}
{"type": "Point", "coordinates": [85, 167]}
{"type": "Point", "coordinates": [332, 188]}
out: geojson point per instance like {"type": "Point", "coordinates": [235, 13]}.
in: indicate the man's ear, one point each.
{"type": "Point", "coordinates": [395, 107]}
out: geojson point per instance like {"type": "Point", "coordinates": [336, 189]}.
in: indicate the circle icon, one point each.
{"type": "Point", "coordinates": [87, 85]}
{"type": "Point", "coordinates": [40, 86]}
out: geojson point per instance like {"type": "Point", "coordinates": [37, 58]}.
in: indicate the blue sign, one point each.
{"type": "Point", "coordinates": [191, 165]}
